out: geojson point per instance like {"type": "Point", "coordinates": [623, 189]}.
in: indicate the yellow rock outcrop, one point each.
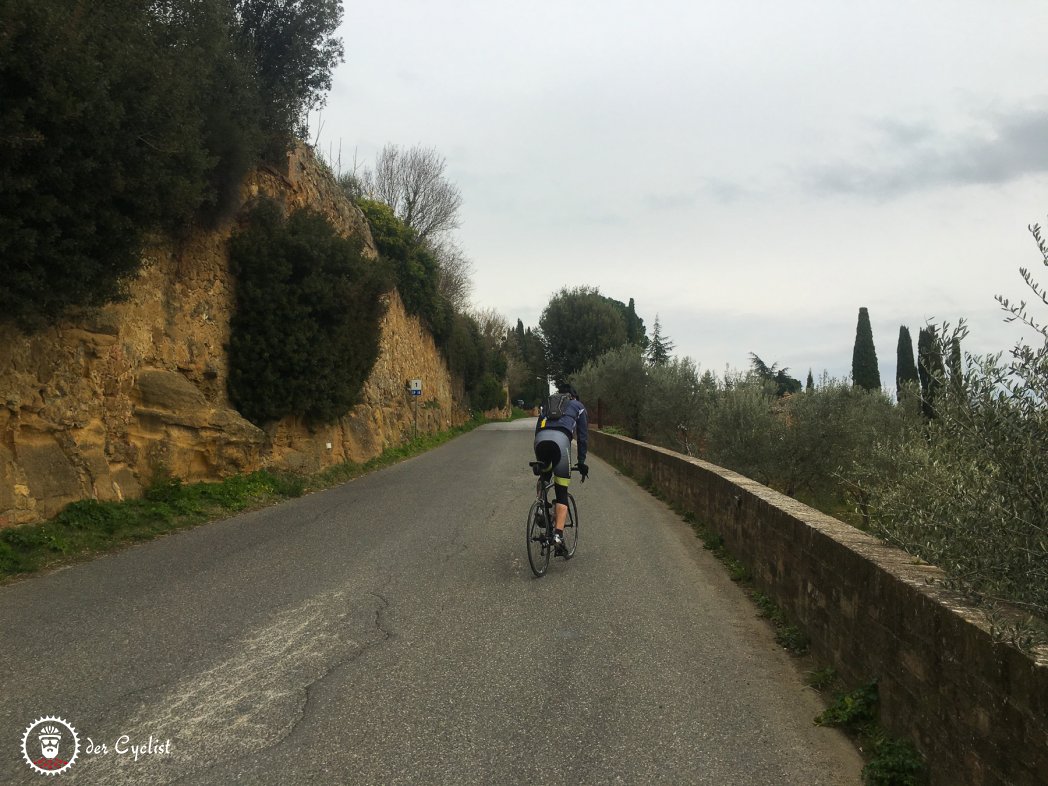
{"type": "Point", "coordinates": [91, 408]}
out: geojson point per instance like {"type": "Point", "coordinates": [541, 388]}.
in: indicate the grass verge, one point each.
{"type": "Point", "coordinates": [889, 761]}
{"type": "Point", "coordinates": [89, 527]}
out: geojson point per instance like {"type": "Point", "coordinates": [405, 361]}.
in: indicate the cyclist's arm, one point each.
{"type": "Point", "coordinates": [582, 434]}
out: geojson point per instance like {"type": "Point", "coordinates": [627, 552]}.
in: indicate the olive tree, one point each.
{"type": "Point", "coordinates": [968, 491]}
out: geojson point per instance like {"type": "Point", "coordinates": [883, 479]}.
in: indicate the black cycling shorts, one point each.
{"type": "Point", "coordinates": [553, 449]}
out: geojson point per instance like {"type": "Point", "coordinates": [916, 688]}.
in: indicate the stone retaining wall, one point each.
{"type": "Point", "coordinates": [976, 708]}
{"type": "Point", "coordinates": [92, 406]}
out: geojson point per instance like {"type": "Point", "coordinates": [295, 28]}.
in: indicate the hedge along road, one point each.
{"type": "Point", "coordinates": [390, 631]}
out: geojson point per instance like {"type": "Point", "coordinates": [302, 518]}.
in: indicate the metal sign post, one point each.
{"type": "Point", "coordinates": [415, 386]}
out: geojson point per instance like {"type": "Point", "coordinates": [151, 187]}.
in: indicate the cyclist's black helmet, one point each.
{"type": "Point", "coordinates": [564, 387]}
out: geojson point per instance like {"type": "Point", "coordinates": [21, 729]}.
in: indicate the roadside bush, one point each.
{"type": "Point", "coordinates": [679, 406]}
{"type": "Point", "coordinates": [830, 429]}
{"type": "Point", "coordinates": [746, 433]}
{"type": "Point", "coordinates": [489, 393]}
{"type": "Point", "coordinates": [968, 491]}
{"type": "Point", "coordinates": [305, 333]}
{"type": "Point", "coordinates": [619, 378]}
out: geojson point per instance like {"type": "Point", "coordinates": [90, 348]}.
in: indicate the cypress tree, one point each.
{"type": "Point", "coordinates": [864, 356]}
{"type": "Point", "coordinates": [635, 333]}
{"type": "Point", "coordinates": [929, 369]}
{"type": "Point", "coordinates": [905, 367]}
{"type": "Point", "coordinates": [809, 386]}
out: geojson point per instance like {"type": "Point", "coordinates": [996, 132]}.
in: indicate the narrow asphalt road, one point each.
{"type": "Point", "coordinates": [390, 631]}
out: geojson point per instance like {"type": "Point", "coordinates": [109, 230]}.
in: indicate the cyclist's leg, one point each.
{"type": "Point", "coordinates": [562, 478]}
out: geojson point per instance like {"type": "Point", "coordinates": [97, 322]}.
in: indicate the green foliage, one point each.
{"type": "Point", "coordinates": [619, 378]}
{"type": "Point", "coordinates": [775, 377]}
{"type": "Point", "coordinates": [294, 51]}
{"type": "Point", "coordinates": [890, 762]}
{"type": "Point", "coordinates": [744, 432]}
{"type": "Point", "coordinates": [480, 359]}
{"type": "Point", "coordinates": [415, 268]}
{"type": "Point", "coordinates": [527, 366]}
{"type": "Point", "coordinates": [660, 346]}
{"type": "Point", "coordinates": [906, 378]}
{"type": "Point", "coordinates": [803, 445]}
{"type": "Point", "coordinates": [968, 491]}
{"type": "Point", "coordinates": [489, 393]}
{"type": "Point", "coordinates": [579, 325]}
{"type": "Point", "coordinates": [124, 118]}
{"type": "Point", "coordinates": [893, 762]}
{"type": "Point", "coordinates": [827, 432]}
{"type": "Point", "coordinates": [787, 635]}
{"type": "Point", "coordinates": [852, 711]}
{"type": "Point", "coordinates": [865, 373]}
{"type": "Point", "coordinates": [930, 369]}
{"type": "Point", "coordinates": [635, 332]}
{"type": "Point", "coordinates": [101, 146]}
{"type": "Point", "coordinates": [678, 406]}
{"type": "Point", "coordinates": [305, 333]}
{"type": "Point", "coordinates": [823, 678]}
{"type": "Point", "coordinates": [90, 527]}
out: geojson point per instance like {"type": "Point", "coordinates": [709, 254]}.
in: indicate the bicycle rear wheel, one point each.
{"type": "Point", "coordinates": [571, 529]}
{"type": "Point", "coordinates": [539, 547]}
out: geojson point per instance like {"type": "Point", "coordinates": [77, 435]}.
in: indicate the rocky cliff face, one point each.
{"type": "Point", "coordinates": [92, 407]}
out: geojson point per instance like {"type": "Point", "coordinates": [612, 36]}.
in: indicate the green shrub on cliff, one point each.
{"type": "Point", "coordinates": [414, 266]}
{"type": "Point", "coordinates": [480, 362]}
{"type": "Point", "coordinates": [305, 333]}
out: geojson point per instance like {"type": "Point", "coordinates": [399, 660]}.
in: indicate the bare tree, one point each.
{"type": "Point", "coordinates": [456, 272]}
{"type": "Point", "coordinates": [413, 183]}
{"type": "Point", "coordinates": [492, 324]}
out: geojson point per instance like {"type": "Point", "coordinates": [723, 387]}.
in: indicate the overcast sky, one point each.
{"type": "Point", "coordinates": [751, 172]}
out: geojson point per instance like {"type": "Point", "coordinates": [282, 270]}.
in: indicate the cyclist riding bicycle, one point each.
{"type": "Point", "coordinates": [553, 435]}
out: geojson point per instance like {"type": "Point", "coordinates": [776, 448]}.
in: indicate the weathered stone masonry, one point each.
{"type": "Point", "coordinates": [976, 708]}
{"type": "Point", "coordinates": [89, 408]}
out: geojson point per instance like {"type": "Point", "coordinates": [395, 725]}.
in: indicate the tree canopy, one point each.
{"type": "Point", "coordinates": [905, 367]}
{"type": "Point", "coordinates": [778, 378]}
{"type": "Point", "coordinates": [121, 118]}
{"type": "Point", "coordinates": [579, 325]}
{"type": "Point", "coordinates": [865, 373]}
{"type": "Point", "coordinates": [659, 346]}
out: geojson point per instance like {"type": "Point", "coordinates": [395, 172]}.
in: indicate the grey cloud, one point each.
{"type": "Point", "coordinates": [1015, 146]}
{"type": "Point", "coordinates": [722, 191]}
{"type": "Point", "coordinates": [678, 201]}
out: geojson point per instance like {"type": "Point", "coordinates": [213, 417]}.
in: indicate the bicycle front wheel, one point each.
{"type": "Point", "coordinates": [571, 529]}
{"type": "Point", "coordinates": [538, 545]}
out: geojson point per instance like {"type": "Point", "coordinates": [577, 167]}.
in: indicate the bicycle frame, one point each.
{"type": "Point", "coordinates": [542, 522]}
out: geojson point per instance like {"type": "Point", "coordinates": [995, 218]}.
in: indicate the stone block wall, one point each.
{"type": "Point", "coordinates": [89, 408]}
{"type": "Point", "coordinates": [975, 707]}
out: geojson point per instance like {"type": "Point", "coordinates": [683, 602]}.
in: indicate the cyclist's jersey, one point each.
{"type": "Point", "coordinates": [574, 423]}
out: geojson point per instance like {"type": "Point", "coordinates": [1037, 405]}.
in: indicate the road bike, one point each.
{"type": "Point", "coordinates": [541, 523]}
